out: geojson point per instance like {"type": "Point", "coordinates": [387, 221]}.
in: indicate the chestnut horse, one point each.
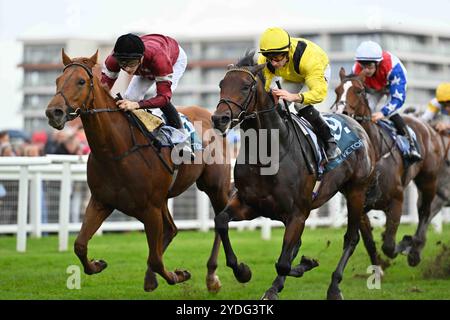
{"type": "Point", "coordinates": [285, 195]}
{"type": "Point", "coordinates": [124, 175]}
{"type": "Point", "coordinates": [392, 176]}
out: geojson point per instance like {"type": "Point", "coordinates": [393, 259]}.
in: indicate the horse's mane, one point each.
{"type": "Point", "coordinates": [247, 60]}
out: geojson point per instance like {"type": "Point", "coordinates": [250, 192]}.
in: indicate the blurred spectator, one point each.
{"type": "Point", "coordinates": [6, 149]}
{"type": "Point", "coordinates": [70, 140]}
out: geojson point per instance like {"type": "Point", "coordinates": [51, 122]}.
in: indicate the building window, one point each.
{"type": "Point", "coordinates": [408, 43]}
{"type": "Point", "coordinates": [35, 101]}
{"type": "Point", "coordinates": [35, 54]}
{"type": "Point", "coordinates": [226, 50]}
{"type": "Point", "coordinates": [349, 42]}
{"type": "Point", "coordinates": [40, 78]}
{"type": "Point", "coordinates": [213, 76]}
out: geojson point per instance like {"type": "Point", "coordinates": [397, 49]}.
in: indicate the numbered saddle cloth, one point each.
{"type": "Point", "coordinates": [346, 138]}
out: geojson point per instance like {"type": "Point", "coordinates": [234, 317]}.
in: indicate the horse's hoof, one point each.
{"type": "Point", "coordinates": [96, 266]}
{"type": "Point", "coordinates": [243, 273]}
{"type": "Point", "coordinates": [335, 295]}
{"type": "Point", "coordinates": [389, 251]}
{"type": "Point", "coordinates": [150, 283]}
{"type": "Point", "coordinates": [270, 295]}
{"type": "Point", "coordinates": [182, 275]}
{"type": "Point", "coordinates": [213, 284]}
{"type": "Point", "coordinates": [384, 264]}
{"type": "Point", "coordinates": [309, 263]}
{"type": "Point", "coordinates": [413, 258]}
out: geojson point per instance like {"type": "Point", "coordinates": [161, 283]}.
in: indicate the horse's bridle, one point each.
{"type": "Point", "coordinates": [252, 95]}
{"type": "Point", "coordinates": [344, 103]}
{"type": "Point", "coordinates": [83, 109]}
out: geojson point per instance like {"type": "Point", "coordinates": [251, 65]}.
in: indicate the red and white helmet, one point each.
{"type": "Point", "coordinates": [369, 51]}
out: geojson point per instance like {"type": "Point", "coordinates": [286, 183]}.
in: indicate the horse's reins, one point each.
{"type": "Point", "coordinates": [252, 95]}
{"type": "Point", "coordinates": [363, 118]}
{"type": "Point", "coordinates": [84, 110]}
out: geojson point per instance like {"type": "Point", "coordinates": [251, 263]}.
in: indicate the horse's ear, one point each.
{"type": "Point", "coordinates": [94, 58]}
{"type": "Point", "coordinates": [230, 66]}
{"type": "Point", "coordinates": [342, 73]}
{"type": "Point", "coordinates": [362, 76]}
{"type": "Point", "coordinates": [65, 58]}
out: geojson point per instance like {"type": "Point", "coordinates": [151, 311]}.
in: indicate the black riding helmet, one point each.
{"type": "Point", "coordinates": [128, 47]}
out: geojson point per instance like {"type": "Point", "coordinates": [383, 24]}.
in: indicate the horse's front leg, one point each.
{"type": "Point", "coordinates": [291, 245]}
{"type": "Point", "coordinates": [169, 232]}
{"type": "Point", "coordinates": [96, 213]}
{"type": "Point", "coordinates": [393, 216]}
{"type": "Point", "coordinates": [235, 209]}
{"type": "Point", "coordinates": [157, 243]}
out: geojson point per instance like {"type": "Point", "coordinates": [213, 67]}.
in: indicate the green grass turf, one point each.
{"type": "Point", "coordinates": [40, 273]}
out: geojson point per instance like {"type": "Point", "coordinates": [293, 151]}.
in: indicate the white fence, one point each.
{"type": "Point", "coordinates": [39, 195]}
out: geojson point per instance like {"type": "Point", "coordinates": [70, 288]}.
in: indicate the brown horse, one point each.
{"type": "Point", "coordinates": [285, 195]}
{"type": "Point", "coordinates": [392, 176]}
{"type": "Point", "coordinates": [442, 198]}
{"type": "Point", "coordinates": [124, 173]}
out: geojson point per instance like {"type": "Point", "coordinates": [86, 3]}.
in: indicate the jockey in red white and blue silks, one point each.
{"type": "Point", "coordinates": [385, 75]}
{"type": "Point", "coordinates": [390, 79]}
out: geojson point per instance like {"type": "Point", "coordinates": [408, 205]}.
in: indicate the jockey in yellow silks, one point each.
{"type": "Point", "coordinates": [439, 107]}
{"type": "Point", "coordinates": [297, 62]}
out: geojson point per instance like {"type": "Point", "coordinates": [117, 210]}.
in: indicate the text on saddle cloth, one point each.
{"type": "Point", "coordinates": [346, 139]}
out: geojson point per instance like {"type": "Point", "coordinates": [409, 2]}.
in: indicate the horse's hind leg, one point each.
{"type": "Point", "coordinates": [169, 232]}
{"type": "Point", "coordinates": [291, 246]}
{"type": "Point", "coordinates": [154, 230]}
{"type": "Point", "coordinates": [355, 205]}
{"type": "Point", "coordinates": [96, 213]}
{"type": "Point", "coordinates": [428, 192]}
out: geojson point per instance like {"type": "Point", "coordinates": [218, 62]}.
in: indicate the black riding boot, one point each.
{"type": "Point", "coordinates": [174, 120]}
{"type": "Point", "coordinates": [322, 129]}
{"type": "Point", "coordinates": [400, 125]}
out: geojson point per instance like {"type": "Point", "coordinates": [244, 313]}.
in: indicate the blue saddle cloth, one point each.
{"type": "Point", "coordinates": [401, 142]}
{"type": "Point", "coordinates": [346, 138]}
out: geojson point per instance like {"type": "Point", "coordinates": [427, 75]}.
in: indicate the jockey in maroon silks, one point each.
{"type": "Point", "coordinates": [151, 59]}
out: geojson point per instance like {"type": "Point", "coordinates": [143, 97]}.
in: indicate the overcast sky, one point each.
{"type": "Point", "coordinates": [106, 19]}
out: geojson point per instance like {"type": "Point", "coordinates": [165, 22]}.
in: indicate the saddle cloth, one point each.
{"type": "Point", "coordinates": [401, 141]}
{"type": "Point", "coordinates": [346, 138]}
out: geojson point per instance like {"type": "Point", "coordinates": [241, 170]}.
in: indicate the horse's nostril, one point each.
{"type": "Point", "coordinates": [58, 113]}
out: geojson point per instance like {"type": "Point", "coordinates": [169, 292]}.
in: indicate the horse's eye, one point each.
{"type": "Point", "coordinates": [245, 88]}
{"type": "Point", "coordinates": [220, 84]}
{"type": "Point", "coordinates": [81, 82]}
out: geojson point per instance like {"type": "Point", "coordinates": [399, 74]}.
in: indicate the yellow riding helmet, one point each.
{"type": "Point", "coordinates": [443, 92]}
{"type": "Point", "coordinates": [274, 40]}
